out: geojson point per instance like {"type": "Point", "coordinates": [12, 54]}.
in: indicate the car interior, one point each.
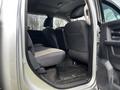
{"type": "Point", "coordinates": [62, 56]}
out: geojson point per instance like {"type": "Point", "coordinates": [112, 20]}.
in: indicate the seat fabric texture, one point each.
{"type": "Point", "coordinates": [76, 34]}
{"type": "Point", "coordinates": [45, 56]}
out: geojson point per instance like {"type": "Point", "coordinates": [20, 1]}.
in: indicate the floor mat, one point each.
{"type": "Point", "coordinates": [67, 72]}
{"type": "Point", "coordinates": [51, 74]}
{"type": "Point", "coordinates": [71, 71]}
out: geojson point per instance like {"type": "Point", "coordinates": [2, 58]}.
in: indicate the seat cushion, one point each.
{"type": "Point", "coordinates": [49, 56]}
{"type": "Point", "coordinates": [45, 56]}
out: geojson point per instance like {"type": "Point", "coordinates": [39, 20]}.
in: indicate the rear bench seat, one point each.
{"type": "Point", "coordinates": [45, 56]}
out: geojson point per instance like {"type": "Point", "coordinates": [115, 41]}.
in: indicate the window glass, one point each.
{"type": "Point", "coordinates": [58, 22]}
{"type": "Point", "coordinates": [36, 22]}
{"type": "Point", "coordinates": [110, 14]}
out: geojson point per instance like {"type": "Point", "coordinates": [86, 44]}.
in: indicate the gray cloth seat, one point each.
{"type": "Point", "coordinates": [49, 56]}
{"type": "Point", "coordinates": [45, 56]}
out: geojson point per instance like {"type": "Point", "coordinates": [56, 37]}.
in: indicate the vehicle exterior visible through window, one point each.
{"type": "Point", "coordinates": [111, 12]}
{"type": "Point", "coordinates": [36, 22]}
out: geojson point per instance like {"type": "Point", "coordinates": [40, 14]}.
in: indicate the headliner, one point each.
{"type": "Point", "coordinates": [62, 8]}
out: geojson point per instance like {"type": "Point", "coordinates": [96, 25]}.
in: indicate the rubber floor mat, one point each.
{"type": "Point", "coordinates": [72, 71]}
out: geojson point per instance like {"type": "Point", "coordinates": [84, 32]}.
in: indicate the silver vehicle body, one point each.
{"type": "Point", "coordinates": [16, 72]}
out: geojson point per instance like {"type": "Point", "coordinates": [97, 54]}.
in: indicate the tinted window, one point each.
{"type": "Point", "coordinates": [110, 14]}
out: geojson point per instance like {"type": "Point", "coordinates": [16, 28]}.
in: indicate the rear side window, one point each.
{"type": "Point", "coordinates": [36, 22]}
{"type": "Point", "coordinates": [110, 14]}
{"type": "Point", "coordinates": [58, 22]}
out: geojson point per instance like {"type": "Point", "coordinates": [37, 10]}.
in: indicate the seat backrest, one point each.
{"type": "Point", "coordinates": [49, 32]}
{"type": "Point", "coordinates": [60, 35]}
{"type": "Point", "coordinates": [50, 37]}
{"type": "Point", "coordinates": [37, 37]}
{"type": "Point", "coordinates": [76, 34]}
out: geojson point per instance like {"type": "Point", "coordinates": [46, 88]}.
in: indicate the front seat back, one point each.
{"type": "Point", "coordinates": [77, 40]}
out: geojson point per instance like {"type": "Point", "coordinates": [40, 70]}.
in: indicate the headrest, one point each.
{"type": "Point", "coordinates": [77, 12]}
{"type": "Point", "coordinates": [48, 23]}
